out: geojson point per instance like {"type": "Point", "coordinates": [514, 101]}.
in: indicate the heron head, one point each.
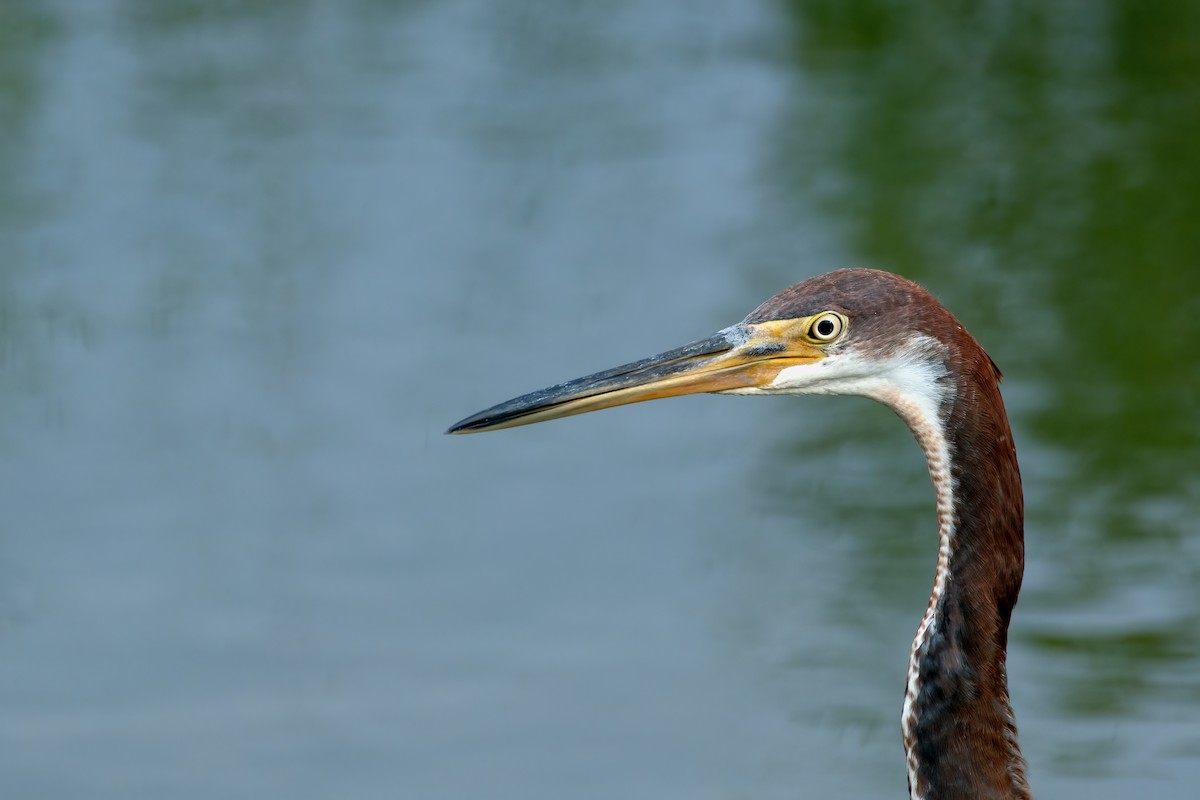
{"type": "Point", "coordinates": [853, 331]}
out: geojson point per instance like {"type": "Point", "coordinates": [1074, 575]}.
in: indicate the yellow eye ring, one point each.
{"type": "Point", "coordinates": [826, 327]}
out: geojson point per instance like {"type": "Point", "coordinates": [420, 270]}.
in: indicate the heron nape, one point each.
{"type": "Point", "coordinates": [871, 333]}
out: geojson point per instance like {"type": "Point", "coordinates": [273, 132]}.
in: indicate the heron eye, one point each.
{"type": "Point", "coordinates": [827, 327]}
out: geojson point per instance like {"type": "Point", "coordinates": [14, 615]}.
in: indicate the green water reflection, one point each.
{"type": "Point", "coordinates": [1037, 164]}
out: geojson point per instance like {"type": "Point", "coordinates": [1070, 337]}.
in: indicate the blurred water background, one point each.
{"type": "Point", "coordinates": [258, 254]}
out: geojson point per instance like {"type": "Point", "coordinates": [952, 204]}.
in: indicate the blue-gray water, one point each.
{"type": "Point", "coordinates": [258, 255]}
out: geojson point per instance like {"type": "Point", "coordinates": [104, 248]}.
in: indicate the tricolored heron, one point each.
{"type": "Point", "coordinates": [875, 334]}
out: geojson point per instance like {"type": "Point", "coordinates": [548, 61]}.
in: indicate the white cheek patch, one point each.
{"type": "Point", "coordinates": [908, 376]}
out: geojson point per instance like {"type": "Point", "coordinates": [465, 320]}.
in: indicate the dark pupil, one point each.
{"type": "Point", "coordinates": [825, 327]}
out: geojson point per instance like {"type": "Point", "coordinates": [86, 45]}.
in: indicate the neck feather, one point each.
{"type": "Point", "coordinates": [960, 737]}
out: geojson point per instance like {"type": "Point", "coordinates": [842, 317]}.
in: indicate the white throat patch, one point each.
{"type": "Point", "coordinates": [915, 389]}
